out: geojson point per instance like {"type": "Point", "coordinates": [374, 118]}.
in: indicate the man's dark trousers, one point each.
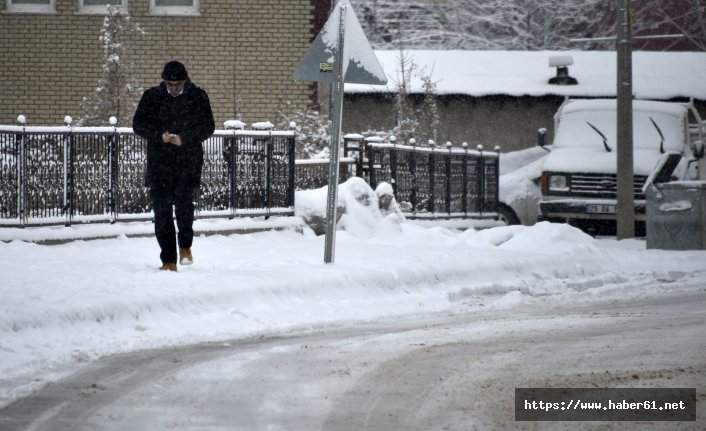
{"type": "Point", "coordinates": [180, 195]}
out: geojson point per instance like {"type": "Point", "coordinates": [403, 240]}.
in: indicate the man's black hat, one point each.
{"type": "Point", "coordinates": [174, 71]}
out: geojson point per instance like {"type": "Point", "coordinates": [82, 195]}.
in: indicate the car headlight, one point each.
{"type": "Point", "coordinates": [559, 183]}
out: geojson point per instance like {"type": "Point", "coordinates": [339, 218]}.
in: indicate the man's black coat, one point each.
{"type": "Point", "coordinates": [188, 115]}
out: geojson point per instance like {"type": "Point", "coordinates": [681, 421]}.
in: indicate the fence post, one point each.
{"type": "Point", "coordinates": [464, 168]}
{"type": "Point", "coordinates": [264, 195]}
{"type": "Point", "coordinates": [68, 174]}
{"type": "Point", "coordinates": [231, 150]}
{"type": "Point", "coordinates": [431, 207]}
{"type": "Point", "coordinates": [371, 166]}
{"type": "Point", "coordinates": [113, 141]}
{"type": "Point", "coordinates": [363, 153]}
{"type": "Point", "coordinates": [480, 169]}
{"type": "Point", "coordinates": [393, 165]}
{"type": "Point", "coordinates": [359, 167]}
{"type": "Point", "coordinates": [448, 179]}
{"type": "Point", "coordinates": [354, 143]}
{"type": "Point", "coordinates": [291, 187]}
{"type": "Point", "coordinates": [268, 174]}
{"type": "Point", "coordinates": [21, 168]}
{"type": "Point", "coordinates": [496, 177]}
{"type": "Point", "coordinates": [413, 175]}
{"type": "Point", "coordinates": [232, 174]}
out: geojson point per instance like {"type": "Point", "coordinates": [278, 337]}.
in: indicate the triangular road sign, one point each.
{"type": "Point", "coordinates": [360, 66]}
{"type": "Point", "coordinates": [341, 53]}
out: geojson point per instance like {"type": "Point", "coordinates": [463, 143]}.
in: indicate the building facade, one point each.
{"type": "Point", "coordinates": [242, 52]}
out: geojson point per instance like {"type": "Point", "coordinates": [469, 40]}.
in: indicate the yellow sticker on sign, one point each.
{"type": "Point", "coordinates": [326, 67]}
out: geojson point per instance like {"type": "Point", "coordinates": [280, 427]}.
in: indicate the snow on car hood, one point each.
{"type": "Point", "coordinates": [583, 126]}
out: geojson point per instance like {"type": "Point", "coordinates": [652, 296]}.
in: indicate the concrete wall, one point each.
{"type": "Point", "coordinates": [508, 122]}
{"type": "Point", "coordinates": [243, 53]}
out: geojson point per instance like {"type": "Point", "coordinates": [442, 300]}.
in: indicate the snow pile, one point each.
{"type": "Point", "coordinates": [310, 205]}
{"type": "Point", "coordinates": [360, 209]}
{"type": "Point", "coordinates": [548, 237]}
{"type": "Point", "coordinates": [387, 202]}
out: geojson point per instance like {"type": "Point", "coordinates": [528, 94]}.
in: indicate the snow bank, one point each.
{"type": "Point", "coordinates": [544, 237]}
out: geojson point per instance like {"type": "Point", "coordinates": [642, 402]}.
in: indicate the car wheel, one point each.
{"type": "Point", "coordinates": [507, 215]}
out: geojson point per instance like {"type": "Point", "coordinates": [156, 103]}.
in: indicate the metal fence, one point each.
{"type": "Point", "coordinates": [63, 175]}
{"type": "Point", "coordinates": [313, 173]}
{"type": "Point", "coordinates": [53, 175]}
{"type": "Point", "coordinates": [436, 182]}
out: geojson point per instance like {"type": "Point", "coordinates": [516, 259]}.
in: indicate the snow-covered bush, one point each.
{"type": "Point", "coordinates": [313, 133]}
{"type": "Point", "coordinates": [359, 209]}
{"type": "Point", "coordinates": [386, 200]}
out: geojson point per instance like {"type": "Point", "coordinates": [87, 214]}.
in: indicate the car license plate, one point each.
{"type": "Point", "coordinates": [600, 209]}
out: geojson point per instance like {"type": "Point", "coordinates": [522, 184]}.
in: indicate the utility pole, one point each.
{"type": "Point", "coordinates": [625, 216]}
{"type": "Point", "coordinates": [625, 211]}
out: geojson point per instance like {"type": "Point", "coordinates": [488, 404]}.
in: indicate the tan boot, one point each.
{"type": "Point", "coordinates": [185, 257]}
{"type": "Point", "coordinates": [169, 266]}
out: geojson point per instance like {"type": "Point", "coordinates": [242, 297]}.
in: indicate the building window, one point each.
{"type": "Point", "coordinates": [174, 7]}
{"type": "Point", "coordinates": [31, 6]}
{"type": "Point", "coordinates": [100, 7]}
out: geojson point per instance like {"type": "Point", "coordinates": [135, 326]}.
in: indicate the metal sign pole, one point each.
{"type": "Point", "coordinates": [336, 115]}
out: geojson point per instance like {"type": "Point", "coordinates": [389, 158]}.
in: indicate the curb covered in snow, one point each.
{"type": "Point", "coordinates": [62, 234]}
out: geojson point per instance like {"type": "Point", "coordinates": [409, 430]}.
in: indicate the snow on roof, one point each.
{"type": "Point", "coordinates": [656, 75]}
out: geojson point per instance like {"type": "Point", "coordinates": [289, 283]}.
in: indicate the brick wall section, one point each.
{"type": "Point", "coordinates": [242, 52]}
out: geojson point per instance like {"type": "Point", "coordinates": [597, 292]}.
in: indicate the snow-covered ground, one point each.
{"type": "Point", "coordinates": [68, 304]}
{"type": "Point", "coordinates": [69, 299]}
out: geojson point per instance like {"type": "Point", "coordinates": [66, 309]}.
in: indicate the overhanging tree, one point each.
{"type": "Point", "coordinates": [523, 24]}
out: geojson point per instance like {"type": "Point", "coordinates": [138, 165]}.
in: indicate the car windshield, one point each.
{"type": "Point", "coordinates": [652, 129]}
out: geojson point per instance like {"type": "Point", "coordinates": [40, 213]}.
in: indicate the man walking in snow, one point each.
{"type": "Point", "coordinates": [175, 118]}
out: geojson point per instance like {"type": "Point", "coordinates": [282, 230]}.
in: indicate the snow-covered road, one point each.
{"type": "Point", "coordinates": [455, 370]}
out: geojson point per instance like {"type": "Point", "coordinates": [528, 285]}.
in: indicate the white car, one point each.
{"type": "Point", "coordinates": [519, 191]}
{"type": "Point", "coordinates": [579, 178]}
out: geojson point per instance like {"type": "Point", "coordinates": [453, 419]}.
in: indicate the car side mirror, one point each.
{"type": "Point", "coordinates": [542, 138]}
{"type": "Point", "coordinates": [697, 149]}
